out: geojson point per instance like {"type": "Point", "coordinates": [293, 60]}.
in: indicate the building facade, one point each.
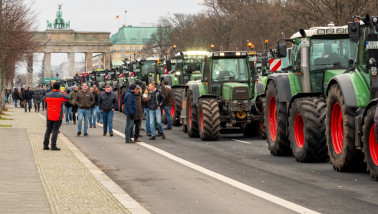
{"type": "Point", "coordinates": [129, 40]}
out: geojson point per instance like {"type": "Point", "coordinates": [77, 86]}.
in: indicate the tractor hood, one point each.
{"type": "Point", "coordinates": [235, 91]}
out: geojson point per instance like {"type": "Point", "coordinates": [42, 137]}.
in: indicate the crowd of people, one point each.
{"type": "Point", "coordinates": [92, 105]}
{"type": "Point", "coordinates": [26, 98]}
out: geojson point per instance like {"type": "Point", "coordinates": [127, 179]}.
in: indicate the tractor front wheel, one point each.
{"type": "Point", "coordinates": [275, 119]}
{"type": "Point", "coordinates": [340, 132]}
{"type": "Point", "coordinates": [370, 144]}
{"type": "Point", "coordinates": [177, 106]}
{"type": "Point", "coordinates": [209, 119]}
{"type": "Point", "coordinates": [306, 129]}
{"type": "Point", "coordinates": [192, 116]}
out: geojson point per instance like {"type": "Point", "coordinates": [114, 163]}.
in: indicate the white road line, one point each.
{"type": "Point", "coordinates": [240, 141]}
{"type": "Point", "coordinates": [232, 182]}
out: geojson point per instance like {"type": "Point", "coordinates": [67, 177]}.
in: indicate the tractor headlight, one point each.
{"type": "Point", "coordinates": [321, 31]}
{"type": "Point", "coordinates": [246, 101]}
{"type": "Point", "coordinates": [330, 31]}
{"type": "Point", "coordinates": [235, 101]}
{"type": "Point", "coordinates": [178, 73]}
{"type": "Point", "coordinates": [339, 30]}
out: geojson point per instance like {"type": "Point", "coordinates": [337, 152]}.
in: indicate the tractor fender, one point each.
{"type": "Point", "coordinates": [346, 86]}
{"type": "Point", "coordinates": [195, 91]}
{"type": "Point", "coordinates": [207, 96]}
{"type": "Point", "coordinates": [283, 86]}
{"type": "Point", "coordinates": [178, 86]}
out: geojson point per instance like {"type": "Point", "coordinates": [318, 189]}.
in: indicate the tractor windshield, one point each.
{"type": "Point", "coordinates": [230, 69]}
{"type": "Point", "coordinates": [331, 53]}
{"type": "Point", "coordinates": [148, 67]}
{"type": "Point", "coordinates": [101, 77]}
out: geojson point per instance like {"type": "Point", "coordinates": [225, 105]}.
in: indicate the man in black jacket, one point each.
{"type": "Point", "coordinates": [16, 97]}
{"type": "Point", "coordinates": [156, 104]}
{"type": "Point", "coordinates": [107, 102]}
{"type": "Point", "coordinates": [27, 96]}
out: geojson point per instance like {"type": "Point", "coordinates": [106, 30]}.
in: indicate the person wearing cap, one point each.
{"type": "Point", "coordinates": [129, 110]}
{"type": "Point", "coordinates": [107, 102]}
{"type": "Point", "coordinates": [54, 114]}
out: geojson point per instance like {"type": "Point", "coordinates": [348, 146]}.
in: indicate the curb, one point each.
{"type": "Point", "coordinates": [125, 199]}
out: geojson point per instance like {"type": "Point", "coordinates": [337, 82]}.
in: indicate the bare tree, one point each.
{"type": "Point", "coordinates": [16, 38]}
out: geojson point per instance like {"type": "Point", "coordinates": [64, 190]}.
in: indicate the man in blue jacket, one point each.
{"type": "Point", "coordinates": [156, 104]}
{"type": "Point", "coordinates": [130, 111]}
{"type": "Point", "coordinates": [107, 102]}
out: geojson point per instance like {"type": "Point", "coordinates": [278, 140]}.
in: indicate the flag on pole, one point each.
{"type": "Point", "coordinates": [117, 17]}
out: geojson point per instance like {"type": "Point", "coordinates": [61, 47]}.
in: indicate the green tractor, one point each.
{"type": "Point", "coordinates": [295, 100]}
{"type": "Point", "coordinates": [351, 103]}
{"type": "Point", "coordinates": [221, 98]}
{"type": "Point", "coordinates": [187, 67]}
{"type": "Point", "coordinates": [149, 70]}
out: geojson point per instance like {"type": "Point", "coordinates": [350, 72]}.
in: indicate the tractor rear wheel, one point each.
{"type": "Point", "coordinates": [192, 116]}
{"type": "Point", "coordinates": [209, 119]}
{"type": "Point", "coordinates": [275, 119]}
{"type": "Point", "coordinates": [177, 106]}
{"type": "Point", "coordinates": [340, 132]}
{"type": "Point", "coordinates": [369, 143]}
{"type": "Point", "coordinates": [260, 103]}
{"type": "Point", "coordinates": [307, 128]}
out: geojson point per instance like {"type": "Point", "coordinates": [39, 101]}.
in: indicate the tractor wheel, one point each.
{"type": "Point", "coordinates": [260, 103]}
{"type": "Point", "coordinates": [307, 128]}
{"type": "Point", "coordinates": [370, 144]}
{"type": "Point", "coordinates": [209, 119]}
{"type": "Point", "coordinates": [275, 119]}
{"type": "Point", "coordinates": [177, 106]}
{"type": "Point", "coordinates": [192, 116]}
{"type": "Point", "coordinates": [340, 132]}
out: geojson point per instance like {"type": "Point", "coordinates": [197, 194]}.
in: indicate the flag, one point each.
{"type": "Point", "coordinates": [117, 17]}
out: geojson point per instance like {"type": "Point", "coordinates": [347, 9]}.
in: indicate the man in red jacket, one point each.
{"type": "Point", "coordinates": [54, 102]}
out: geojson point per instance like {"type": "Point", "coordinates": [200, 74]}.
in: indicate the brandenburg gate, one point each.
{"type": "Point", "coordinates": [59, 38]}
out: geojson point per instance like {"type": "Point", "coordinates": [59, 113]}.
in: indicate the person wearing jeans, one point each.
{"type": "Point", "coordinates": [168, 96]}
{"type": "Point", "coordinates": [107, 102]}
{"type": "Point", "coordinates": [54, 115]}
{"type": "Point", "coordinates": [84, 100]}
{"type": "Point", "coordinates": [156, 103]}
{"type": "Point", "coordinates": [27, 96]}
{"type": "Point", "coordinates": [16, 97]}
{"type": "Point", "coordinates": [93, 113]}
{"type": "Point", "coordinates": [129, 111]}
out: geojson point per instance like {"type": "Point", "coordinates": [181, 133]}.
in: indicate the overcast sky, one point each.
{"type": "Point", "coordinates": [99, 15]}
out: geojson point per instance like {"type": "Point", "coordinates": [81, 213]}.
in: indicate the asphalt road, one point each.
{"type": "Point", "coordinates": [232, 175]}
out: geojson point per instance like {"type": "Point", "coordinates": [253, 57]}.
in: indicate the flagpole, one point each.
{"type": "Point", "coordinates": [125, 17]}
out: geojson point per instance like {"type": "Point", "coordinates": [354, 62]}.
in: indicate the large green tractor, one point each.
{"type": "Point", "coordinates": [295, 100]}
{"type": "Point", "coordinates": [187, 67]}
{"type": "Point", "coordinates": [149, 70]}
{"type": "Point", "coordinates": [222, 98]}
{"type": "Point", "coordinates": [351, 104]}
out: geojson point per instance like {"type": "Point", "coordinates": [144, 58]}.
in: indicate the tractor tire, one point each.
{"type": "Point", "coordinates": [209, 119]}
{"type": "Point", "coordinates": [370, 144]}
{"type": "Point", "coordinates": [275, 119]}
{"type": "Point", "coordinates": [340, 132]}
{"type": "Point", "coordinates": [177, 106]}
{"type": "Point", "coordinates": [307, 129]}
{"type": "Point", "coordinates": [260, 103]}
{"type": "Point", "coordinates": [192, 116]}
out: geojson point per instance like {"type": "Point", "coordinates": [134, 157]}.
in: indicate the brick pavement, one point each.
{"type": "Point", "coordinates": [71, 183]}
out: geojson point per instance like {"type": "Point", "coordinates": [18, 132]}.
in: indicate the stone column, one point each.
{"type": "Point", "coordinates": [88, 61]}
{"type": "Point", "coordinates": [106, 61]}
{"type": "Point", "coordinates": [29, 70]}
{"type": "Point", "coordinates": [47, 65]}
{"type": "Point", "coordinates": [70, 65]}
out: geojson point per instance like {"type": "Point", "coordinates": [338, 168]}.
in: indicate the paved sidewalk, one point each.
{"type": "Point", "coordinates": [52, 181]}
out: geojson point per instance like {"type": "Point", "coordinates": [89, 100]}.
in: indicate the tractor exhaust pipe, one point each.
{"type": "Point", "coordinates": [305, 62]}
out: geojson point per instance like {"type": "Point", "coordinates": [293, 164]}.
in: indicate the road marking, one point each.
{"type": "Point", "coordinates": [240, 141]}
{"type": "Point", "coordinates": [264, 195]}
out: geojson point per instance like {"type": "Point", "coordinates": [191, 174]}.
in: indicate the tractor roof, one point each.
{"type": "Point", "coordinates": [331, 29]}
{"type": "Point", "coordinates": [194, 53]}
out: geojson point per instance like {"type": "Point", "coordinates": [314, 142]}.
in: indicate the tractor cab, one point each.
{"type": "Point", "coordinates": [149, 70]}
{"type": "Point", "coordinates": [188, 66]}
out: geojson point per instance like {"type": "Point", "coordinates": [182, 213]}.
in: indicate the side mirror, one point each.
{"type": "Point", "coordinates": [354, 31]}
{"type": "Point", "coordinates": [281, 50]}
{"type": "Point", "coordinates": [169, 65]}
